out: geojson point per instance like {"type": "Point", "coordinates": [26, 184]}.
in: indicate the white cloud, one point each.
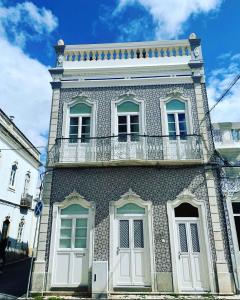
{"type": "Point", "coordinates": [24, 87]}
{"type": "Point", "coordinates": [26, 21]}
{"type": "Point", "coordinates": [25, 92]}
{"type": "Point", "coordinates": [228, 110]}
{"type": "Point", "coordinates": [170, 16]}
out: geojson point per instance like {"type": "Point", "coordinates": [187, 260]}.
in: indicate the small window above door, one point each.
{"type": "Point", "coordinates": [74, 209]}
{"type": "Point", "coordinates": [186, 210]}
{"type": "Point", "coordinates": [130, 208]}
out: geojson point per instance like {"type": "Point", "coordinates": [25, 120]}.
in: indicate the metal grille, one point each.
{"type": "Point", "coordinates": [124, 234]}
{"type": "Point", "coordinates": [195, 238]}
{"type": "Point", "coordinates": [138, 234]}
{"type": "Point", "coordinates": [183, 238]}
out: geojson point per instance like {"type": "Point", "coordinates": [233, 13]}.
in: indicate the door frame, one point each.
{"type": "Point", "coordinates": [235, 254]}
{"type": "Point", "coordinates": [187, 197]}
{"type": "Point", "coordinates": [73, 198]}
{"type": "Point", "coordinates": [131, 197]}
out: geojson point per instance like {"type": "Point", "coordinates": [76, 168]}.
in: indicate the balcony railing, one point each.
{"type": "Point", "coordinates": [125, 148]}
{"type": "Point", "coordinates": [26, 201]}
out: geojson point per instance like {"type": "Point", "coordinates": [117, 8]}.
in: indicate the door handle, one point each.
{"type": "Point", "coordinates": [118, 249]}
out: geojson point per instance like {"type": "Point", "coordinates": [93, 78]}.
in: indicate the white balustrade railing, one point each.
{"type": "Point", "coordinates": [140, 147]}
{"type": "Point", "coordinates": [127, 51]}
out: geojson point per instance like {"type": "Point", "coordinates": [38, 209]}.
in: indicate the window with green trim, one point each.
{"type": "Point", "coordinates": [131, 208]}
{"type": "Point", "coordinates": [73, 228]}
{"type": "Point", "coordinates": [128, 121]}
{"type": "Point", "coordinates": [80, 123]}
{"type": "Point", "coordinates": [176, 119]}
{"type": "Point", "coordinates": [74, 209]}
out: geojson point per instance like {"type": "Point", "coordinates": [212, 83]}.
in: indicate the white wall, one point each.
{"type": "Point", "coordinates": [25, 164]}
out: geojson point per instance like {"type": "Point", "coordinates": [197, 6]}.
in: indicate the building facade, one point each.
{"type": "Point", "coordinates": [132, 196]}
{"type": "Point", "coordinates": [227, 143]}
{"type": "Point", "coordinates": [19, 164]}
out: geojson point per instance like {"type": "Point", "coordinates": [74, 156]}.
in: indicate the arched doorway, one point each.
{"type": "Point", "coordinates": [190, 248]}
{"type": "Point", "coordinates": [131, 256]}
{"type": "Point", "coordinates": [72, 242]}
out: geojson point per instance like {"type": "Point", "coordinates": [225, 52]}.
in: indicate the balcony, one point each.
{"type": "Point", "coordinates": [26, 201]}
{"type": "Point", "coordinates": [126, 149]}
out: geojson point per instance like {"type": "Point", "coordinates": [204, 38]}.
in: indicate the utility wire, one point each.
{"type": "Point", "coordinates": [227, 90]}
{"type": "Point", "coordinates": [23, 148]}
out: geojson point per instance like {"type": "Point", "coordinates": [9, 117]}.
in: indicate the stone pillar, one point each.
{"type": "Point", "coordinates": [224, 277]}
{"type": "Point", "coordinates": [39, 276]}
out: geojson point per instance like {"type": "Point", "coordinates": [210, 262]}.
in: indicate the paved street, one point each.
{"type": "Point", "coordinates": [14, 279]}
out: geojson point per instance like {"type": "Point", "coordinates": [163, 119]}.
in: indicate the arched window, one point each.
{"type": "Point", "coordinates": [186, 210]}
{"type": "Point", "coordinates": [74, 226]}
{"type": "Point", "coordinates": [27, 183]}
{"type": "Point", "coordinates": [20, 229]}
{"type": "Point", "coordinates": [13, 175]}
{"type": "Point", "coordinates": [176, 119]}
{"type": "Point", "coordinates": [128, 121]}
{"type": "Point", "coordinates": [80, 123]}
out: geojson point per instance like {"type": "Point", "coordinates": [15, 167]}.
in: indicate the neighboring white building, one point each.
{"type": "Point", "coordinates": [227, 143]}
{"type": "Point", "coordinates": [18, 182]}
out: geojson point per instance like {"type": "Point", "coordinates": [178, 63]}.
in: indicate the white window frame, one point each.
{"type": "Point", "coordinates": [73, 198]}
{"type": "Point", "coordinates": [187, 197]}
{"type": "Point", "coordinates": [12, 186]}
{"type": "Point", "coordinates": [130, 197]}
{"type": "Point", "coordinates": [114, 113]}
{"type": "Point", "coordinates": [27, 181]}
{"type": "Point", "coordinates": [187, 111]}
{"type": "Point", "coordinates": [66, 115]}
{"type": "Point", "coordinates": [236, 255]}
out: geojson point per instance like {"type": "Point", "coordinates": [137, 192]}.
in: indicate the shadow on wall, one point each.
{"type": "Point", "coordinates": [16, 250]}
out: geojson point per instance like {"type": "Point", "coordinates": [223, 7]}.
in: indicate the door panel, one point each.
{"type": "Point", "coordinates": [131, 254]}
{"type": "Point", "coordinates": [71, 258]}
{"type": "Point", "coordinates": [190, 261]}
{"type": "Point", "coordinates": [62, 268]}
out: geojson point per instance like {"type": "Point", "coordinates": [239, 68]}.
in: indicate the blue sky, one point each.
{"type": "Point", "coordinates": [28, 29]}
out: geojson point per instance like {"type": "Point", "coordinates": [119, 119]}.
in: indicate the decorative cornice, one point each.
{"type": "Point", "coordinates": [186, 195]}
{"type": "Point", "coordinates": [130, 195]}
{"type": "Point", "coordinates": [56, 84]}
{"type": "Point", "coordinates": [74, 196]}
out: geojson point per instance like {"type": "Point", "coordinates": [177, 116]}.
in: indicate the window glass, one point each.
{"type": "Point", "coordinates": [236, 214]}
{"type": "Point", "coordinates": [138, 234]}
{"type": "Point", "coordinates": [65, 233]}
{"type": "Point", "coordinates": [235, 135]}
{"type": "Point", "coordinates": [74, 209]}
{"type": "Point", "coordinates": [122, 128]}
{"type": "Point", "coordinates": [183, 237]}
{"type": "Point", "coordinates": [85, 132]}
{"type": "Point", "coordinates": [128, 106]}
{"type": "Point", "coordinates": [134, 128]}
{"type": "Point", "coordinates": [171, 126]}
{"type": "Point", "coordinates": [175, 105]}
{"type": "Point", "coordinates": [236, 207]}
{"type": "Point", "coordinates": [131, 208]}
{"type": "Point", "coordinates": [13, 175]}
{"type": "Point", "coordinates": [73, 129]}
{"type": "Point", "coordinates": [186, 210]}
{"type": "Point", "coordinates": [80, 108]}
{"type": "Point", "coordinates": [81, 233]}
{"type": "Point", "coordinates": [237, 224]}
{"type": "Point", "coordinates": [124, 234]}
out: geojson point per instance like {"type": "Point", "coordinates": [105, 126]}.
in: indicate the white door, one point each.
{"type": "Point", "coordinates": [71, 258]}
{"type": "Point", "coordinates": [132, 261]}
{"type": "Point", "coordinates": [192, 270]}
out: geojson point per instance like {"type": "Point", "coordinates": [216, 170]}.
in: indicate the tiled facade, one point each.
{"type": "Point", "coordinates": [159, 183]}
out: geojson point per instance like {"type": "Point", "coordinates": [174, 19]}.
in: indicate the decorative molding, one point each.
{"type": "Point", "coordinates": [74, 198]}
{"type": "Point", "coordinates": [130, 197]}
